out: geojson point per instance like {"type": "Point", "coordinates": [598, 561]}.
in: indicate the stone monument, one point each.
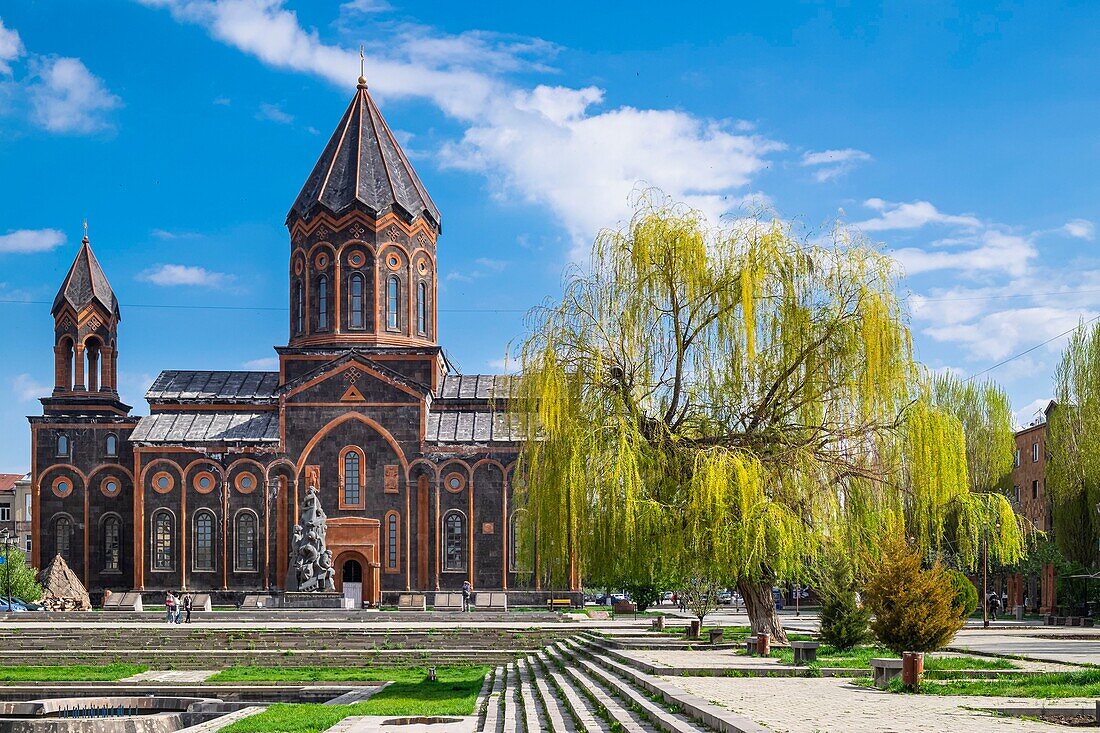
{"type": "Point", "coordinates": [310, 579]}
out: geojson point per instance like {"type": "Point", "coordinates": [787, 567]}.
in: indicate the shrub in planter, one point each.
{"type": "Point", "coordinates": [843, 619]}
{"type": "Point", "coordinates": [966, 595]}
{"type": "Point", "coordinates": [914, 608]}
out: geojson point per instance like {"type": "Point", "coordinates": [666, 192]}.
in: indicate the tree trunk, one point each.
{"type": "Point", "coordinates": [760, 605]}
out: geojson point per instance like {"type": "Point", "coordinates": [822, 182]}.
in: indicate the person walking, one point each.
{"type": "Point", "coordinates": [466, 590]}
{"type": "Point", "coordinates": [179, 608]}
{"type": "Point", "coordinates": [188, 602]}
{"type": "Point", "coordinates": [169, 607]}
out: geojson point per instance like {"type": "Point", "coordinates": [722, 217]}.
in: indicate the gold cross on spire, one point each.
{"type": "Point", "coordinates": [362, 66]}
{"type": "Point", "coordinates": [85, 230]}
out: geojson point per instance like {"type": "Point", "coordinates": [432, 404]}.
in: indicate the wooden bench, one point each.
{"type": "Point", "coordinates": [412, 602]}
{"type": "Point", "coordinates": [883, 671]}
{"type": "Point", "coordinates": [554, 604]}
{"type": "Point", "coordinates": [491, 601]}
{"type": "Point", "coordinates": [805, 651]}
{"type": "Point", "coordinates": [448, 602]}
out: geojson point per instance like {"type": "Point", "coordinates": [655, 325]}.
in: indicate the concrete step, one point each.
{"type": "Point", "coordinates": [511, 712]}
{"type": "Point", "coordinates": [534, 717]}
{"type": "Point", "coordinates": [491, 720]}
{"type": "Point", "coordinates": [582, 709]}
{"type": "Point", "coordinates": [557, 717]}
{"type": "Point", "coordinates": [614, 709]}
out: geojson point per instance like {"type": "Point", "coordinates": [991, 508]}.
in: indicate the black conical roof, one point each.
{"type": "Point", "coordinates": [85, 283]}
{"type": "Point", "coordinates": [363, 164]}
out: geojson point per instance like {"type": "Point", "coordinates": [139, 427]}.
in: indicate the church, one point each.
{"type": "Point", "coordinates": [414, 463]}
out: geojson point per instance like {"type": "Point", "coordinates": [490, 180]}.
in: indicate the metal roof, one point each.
{"type": "Point", "coordinates": [203, 386]}
{"type": "Point", "coordinates": [184, 428]}
{"type": "Point", "coordinates": [453, 426]}
{"type": "Point", "coordinates": [473, 387]}
{"type": "Point", "coordinates": [362, 163]}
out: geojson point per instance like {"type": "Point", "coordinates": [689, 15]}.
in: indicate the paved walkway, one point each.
{"type": "Point", "coordinates": [182, 676]}
{"type": "Point", "coordinates": [829, 705]}
{"type": "Point", "coordinates": [1078, 647]}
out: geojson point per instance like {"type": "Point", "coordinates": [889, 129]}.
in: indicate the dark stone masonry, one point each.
{"type": "Point", "coordinates": [413, 463]}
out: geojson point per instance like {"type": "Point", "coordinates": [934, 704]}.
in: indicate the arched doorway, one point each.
{"type": "Point", "coordinates": [351, 576]}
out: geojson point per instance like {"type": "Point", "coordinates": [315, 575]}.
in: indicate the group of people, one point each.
{"type": "Point", "coordinates": [176, 608]}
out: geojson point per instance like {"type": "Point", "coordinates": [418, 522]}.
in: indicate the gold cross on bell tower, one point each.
{"type": "Point", "coordinates": [85, 240]}
{"type": "Point", "coordinates": [362, 67]}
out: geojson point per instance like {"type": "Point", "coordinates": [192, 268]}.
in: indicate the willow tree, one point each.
{"type": "Point", "coordinates": [984, 524]}
{"type": "Point", "coordinates": [727, 403]}
{"type": "Point", "coordinates": [1073, 474]}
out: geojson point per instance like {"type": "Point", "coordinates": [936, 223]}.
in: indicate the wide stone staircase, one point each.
{"type": "Point", "coordinates": [571, 685]}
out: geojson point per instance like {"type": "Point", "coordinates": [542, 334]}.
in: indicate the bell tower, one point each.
{"type": "Point", "coordinates": [86, 317]}
{"type": "Point", "coordinates": [363, 234]}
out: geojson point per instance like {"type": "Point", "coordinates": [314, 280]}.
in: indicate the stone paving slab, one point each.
{"type": "Point", "coordinates": [829, 705]}
{"type": "Point", "coordinates": [174, 675]}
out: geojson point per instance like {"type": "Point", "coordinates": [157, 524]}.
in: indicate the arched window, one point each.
{"type": "Point", "coordinates": [91, 374]}
{"type": "Point", "coordinates": [112, 445]}
{"type": "Point", "coordinates": [422, 309]}
{"type": "Point", "coordinates": [203, 558]}
{"type": "Point", "coordinates": [112, 543]}
{"type": "Point", "coordinates": [62, 445]}
{"type": "Point", "coordinates": [62, 532]}
{"type": "Point", "coordinates": [358, 312]}
{"type": "Point", "coordinates": [65, 364]}
{"type": "Point", "coordinates": [163, 540]}
{"type": "Point", "coordinates": [322, 302]}
{"type": "Point", "coordinates": [246, 541]}
{"type": "Point", "coordinates": [299, 308]}
{"type": "Point", "coordinates": [351, 478]}
{"type": "Point", "coordinates": [454, 541]}
{"type": "Point", "coordinates": [393, 297]}
{"type": "Point", "coordinates": [392, 536]}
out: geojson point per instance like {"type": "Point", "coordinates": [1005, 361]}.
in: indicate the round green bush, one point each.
{"type": "Point", "coordinates": [966, 595]}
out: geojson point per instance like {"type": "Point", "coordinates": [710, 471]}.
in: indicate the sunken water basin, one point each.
{"type": "Point", "coordinates": [117, 714]}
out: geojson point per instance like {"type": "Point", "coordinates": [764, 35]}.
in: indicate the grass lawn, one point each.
{"type": "Point", "coordinates": [861, 656]}
{"type": "Point", "coordinates": [1044, 686]}
{"type": "Point", "coordinates": [70, 673]}
{"type": "Point", "coordinates": [343, 674]}
{"type": "Point", "coordinates": [455, 693]}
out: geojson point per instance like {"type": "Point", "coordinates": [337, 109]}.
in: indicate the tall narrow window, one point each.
{"type": "Point", "coordinates": [351, 477]}
{"type": "Point", "coordinates": [422, 309]}
{"type": "Point", "coordinates": [1035, 452]}
{"type": "Point", "coordinates": [163, 540]}
{"type": "Point", "coordinates": [358, 313]}
{"type": "Point", "coordinates": [391, 541]}
{"type": "Point", "coordinates": [246, 541]}
{"type": "Point", "coordinates": [1034, 489]}
{"type": "Point", "coordinates": [112, 543]}
{"type": "Point", "coordinates": [63, 532]}
{"type": "Point", "coordinates": [322, 302]}
{"type": "Point", "coordinates": [204, 540]}
{"type": "Point", "coordinates": [393, 297]}
{"type": "Point", "coordinates": [62, 445]}
{"type": "Point", "coordinates": [299, 309]}
{"type": "Point", "coordinates": [112, 445]}
{"type": "Point", "coordinates": [454, 541]}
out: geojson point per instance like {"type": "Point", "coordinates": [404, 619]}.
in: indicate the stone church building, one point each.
{"type": "Point", "coordinates": [414, 463]}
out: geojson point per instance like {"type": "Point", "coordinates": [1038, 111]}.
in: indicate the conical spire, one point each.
{"type": "Point", "coordinates": [86, 283]}
{"type": "Point", "coordinates": [363, 165]}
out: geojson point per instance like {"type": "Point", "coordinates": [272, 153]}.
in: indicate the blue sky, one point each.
{"type": "Point", "coordinates": [961, 136]}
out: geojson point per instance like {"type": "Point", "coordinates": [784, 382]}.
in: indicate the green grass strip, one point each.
{"type": "Point", "coordinates": [454, 693]}
{"type": "Point", "coordinates": [1044, 686]}
{"type": "Point", "coordinates": [345, 674]}
{"type": "Point", "coordinates": [860, 658]}
{"type": "Point", "coordinates": [70, 673]}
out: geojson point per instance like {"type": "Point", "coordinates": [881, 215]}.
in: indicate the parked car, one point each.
{"type": "Point", "coordinates": [30, 606]}
{"type": "Point", "coordinates": [12, 606]}
{"type": "Point", "coordinates": [725, 598]}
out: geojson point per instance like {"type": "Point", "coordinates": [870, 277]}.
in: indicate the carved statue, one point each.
{"type": "Point", "coordinates": [311, 562]}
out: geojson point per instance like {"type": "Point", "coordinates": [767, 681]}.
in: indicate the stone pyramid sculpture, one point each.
{"type": "Point", "coordinates": [61, 589]}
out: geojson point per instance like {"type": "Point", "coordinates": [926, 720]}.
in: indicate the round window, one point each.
{"type": "Point", "coordinates": [204, 482]}
{"type": "Point", "coordinates": [322, 261]}
{"type": "Point", "coordinates": [62, 487]}
{"type": "Point", "coordinates": [393, 261]}
{"type": "Point", "coordinates": [111, 487]}
{"type": "Point", "coordinates": [163, 482]}
{"type": "Point", "coordinates": [356, 259]}
{"type": "Point", "coordinates": [422, 267]}
{"type": "Point", "coordinates": [297, 267]}
{"type": "Point", "coordinates": [454, 481]}
{"type": "Point", "coordinates": [245, 482]}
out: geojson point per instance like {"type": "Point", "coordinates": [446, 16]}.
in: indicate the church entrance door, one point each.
{"type": "Point", "coordinates": [352, 576]}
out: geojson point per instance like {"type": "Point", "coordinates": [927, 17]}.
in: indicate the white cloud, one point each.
{"type": "Point", "coordinates": [1080, 228]}
{"type": "Point", "coordinates": [365, 6]}
{"type": "Point", "coordinates": [494, 265]}
{"type": "Point", "coordinates": [67, 98]}
{"type": "Point", "coordinates": [831, 164]}
{"type": "Point", "coordinates": [11, 47]}
{"type": "Point", "coordinates": [30, 240]}
{"type": "Point", "coordinates": [170, 235]}
{"type": "Point", "coordinates": [267, 364]}
{"type": "Point", "coordinates": [274, 113]}
{"type": "Point", "coordinates": [504, 365]}
{"type": "Point", "coordinates": [26, 389]}
{"type": "Point", "coordinates": [991, 251]}
{"type": "Point", "coordinates": [909, 216]}
{"type": "Point", "coordinates": [171, 275]}
{"type": "Point", "coordinates": [546, 146]}
{"type": "Point", "coordinates": [1000, 334]}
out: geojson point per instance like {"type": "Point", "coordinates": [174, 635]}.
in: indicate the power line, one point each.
{"type": "Point", "coordinates": [1033, 348]}
{"type": "Point", "coordinates": [196, 307]}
